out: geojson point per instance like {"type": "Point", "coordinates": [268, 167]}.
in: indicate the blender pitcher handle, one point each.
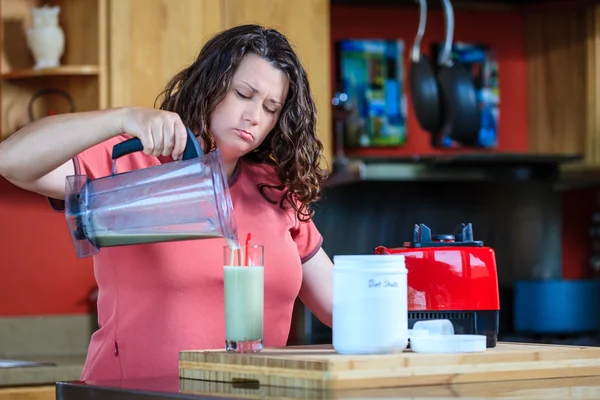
{"type": "Point", "coordinates": [192, 147]}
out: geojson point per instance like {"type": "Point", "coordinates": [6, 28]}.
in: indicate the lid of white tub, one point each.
{"type": "Point", "coordinates": [441, 344]}
{"type": "Point", "coordinates": [369, 262]}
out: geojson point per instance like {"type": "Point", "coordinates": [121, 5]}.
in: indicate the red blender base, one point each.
{"type": "Point", "coordinates": [451, 277]}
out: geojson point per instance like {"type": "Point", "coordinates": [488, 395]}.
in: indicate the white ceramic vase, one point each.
{"type": "Point", "coordinates": [46, 38]}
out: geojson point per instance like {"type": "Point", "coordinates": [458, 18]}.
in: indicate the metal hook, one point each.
{"type": "Point", "coordinates": [445, 58]}
{"type": "Point", "coordinates": [416, 49]}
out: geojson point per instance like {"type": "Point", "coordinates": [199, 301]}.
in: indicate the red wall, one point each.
{"type": "Point", "coordinates": [40, 273]}
{"type": "Point", "coordinates": [354, 22]}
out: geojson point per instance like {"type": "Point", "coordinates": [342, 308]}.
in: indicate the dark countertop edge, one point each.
{"type": "Point", "coordinates": [151, 390]}
{"type": "Point", "coordinates": [70, 390]}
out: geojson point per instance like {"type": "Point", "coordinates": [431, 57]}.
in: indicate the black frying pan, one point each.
{"type": "Point", "coordinates": [425, 92]}
{"type": "Point", "coordinates": [459, 96]}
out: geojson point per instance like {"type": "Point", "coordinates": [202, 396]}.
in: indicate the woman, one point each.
{"type": "Point", "coordinates": [246, 94]}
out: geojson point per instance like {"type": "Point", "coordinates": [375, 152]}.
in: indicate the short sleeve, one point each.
{"type": "Point", "coordinates": [96, 162]}
{"type": "Point", "coordinates": [308, 239]}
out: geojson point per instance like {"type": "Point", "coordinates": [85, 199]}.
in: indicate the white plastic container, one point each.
{"type": "Point", "coordinates": [370, 312]}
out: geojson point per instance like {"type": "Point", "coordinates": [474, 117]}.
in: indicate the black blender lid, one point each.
{"type": "Point", "coordinates": [463, 236]}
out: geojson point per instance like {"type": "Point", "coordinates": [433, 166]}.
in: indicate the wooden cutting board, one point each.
{"type": "Point", "coordinates": [320, 367]}
{"type": "Point", "coordinates": [579, 388]}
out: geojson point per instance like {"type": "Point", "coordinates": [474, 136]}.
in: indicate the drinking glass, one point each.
{"type": "Point", "coordinates": [244, 298]}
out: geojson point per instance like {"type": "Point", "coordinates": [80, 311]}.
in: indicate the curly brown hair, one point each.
{"type": "Point", "coordinates": [292, 147]}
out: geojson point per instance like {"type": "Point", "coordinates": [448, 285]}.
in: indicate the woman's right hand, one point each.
{"type": "Point", "coordinates": [53, 141]}
{"type": "Point", "coordinates": [161, 132]}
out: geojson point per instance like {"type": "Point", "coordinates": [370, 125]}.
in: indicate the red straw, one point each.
{"type": "Point", "coordinates": [247, 244]}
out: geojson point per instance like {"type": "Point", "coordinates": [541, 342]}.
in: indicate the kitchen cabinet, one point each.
{"type": "Point", "coordinates": [122, 52]}
{"type": "Point", "coordinates": [556, 79]}
{"type": "Point", "coordinates": [558, 71]}
{"type": "Point", "coordinates": [592, 86]}
{"type": "Point", "coordinates": [82, 73]}
{"type": "Point", "coordinates": [563, 77]}
{"type": "Point", "coordinates": [28, 393]}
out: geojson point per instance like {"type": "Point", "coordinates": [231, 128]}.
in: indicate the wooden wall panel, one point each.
{"type": "Point", "coordinates": [151, 40]}
{"type": "Point", "coordinates": [592, 105]}
{"type": "Point", "coordinates": [556, 81]}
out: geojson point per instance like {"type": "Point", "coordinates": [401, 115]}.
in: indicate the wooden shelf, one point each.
{"type": "Point", "coordinates": [64, 70]}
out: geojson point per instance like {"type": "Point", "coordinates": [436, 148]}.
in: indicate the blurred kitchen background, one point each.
{"type": "Point", "coordinates": [528, 181]}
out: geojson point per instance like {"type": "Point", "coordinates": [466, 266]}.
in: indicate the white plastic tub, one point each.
{"type": "Point", "coordinates": [370, 314]}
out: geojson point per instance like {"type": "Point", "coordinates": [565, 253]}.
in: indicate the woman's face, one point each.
{"type": "Point", "coordinates": [250, 109]}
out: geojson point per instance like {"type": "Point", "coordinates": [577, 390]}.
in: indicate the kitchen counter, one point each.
{"type": "Point", "coordinates": [563, 388]}
{"type": "Point", "coordinates": [46, 370]}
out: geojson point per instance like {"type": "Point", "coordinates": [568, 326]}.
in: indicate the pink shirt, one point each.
{"type": "Point", "coordinates": [157, 299]}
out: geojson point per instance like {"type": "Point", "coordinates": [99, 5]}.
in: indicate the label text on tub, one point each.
{"type": "Point", "coordinates": [385, 284]}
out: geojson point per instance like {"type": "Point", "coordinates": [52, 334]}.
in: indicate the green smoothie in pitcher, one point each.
{"type": "Point", "coordinates": [244, 307]}
{"type": "Point", "coordinates": [109, 239]}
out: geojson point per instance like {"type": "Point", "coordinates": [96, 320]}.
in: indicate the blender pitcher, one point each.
{"type": "Point", "coordinates": [179, 200]}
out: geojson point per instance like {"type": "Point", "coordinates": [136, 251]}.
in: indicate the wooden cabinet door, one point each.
{"type": "Point", "coordinates": [306, 25]}
{"type": "Point", "coordinates": [150, 41]}
{"type": "Point", "coordinates": [28, 393]}
{"type": "Point", "coordinates": [556, 81]}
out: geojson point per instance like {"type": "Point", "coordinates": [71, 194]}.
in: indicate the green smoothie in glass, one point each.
{"type": "Point", "coordinates": [244, 303]}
